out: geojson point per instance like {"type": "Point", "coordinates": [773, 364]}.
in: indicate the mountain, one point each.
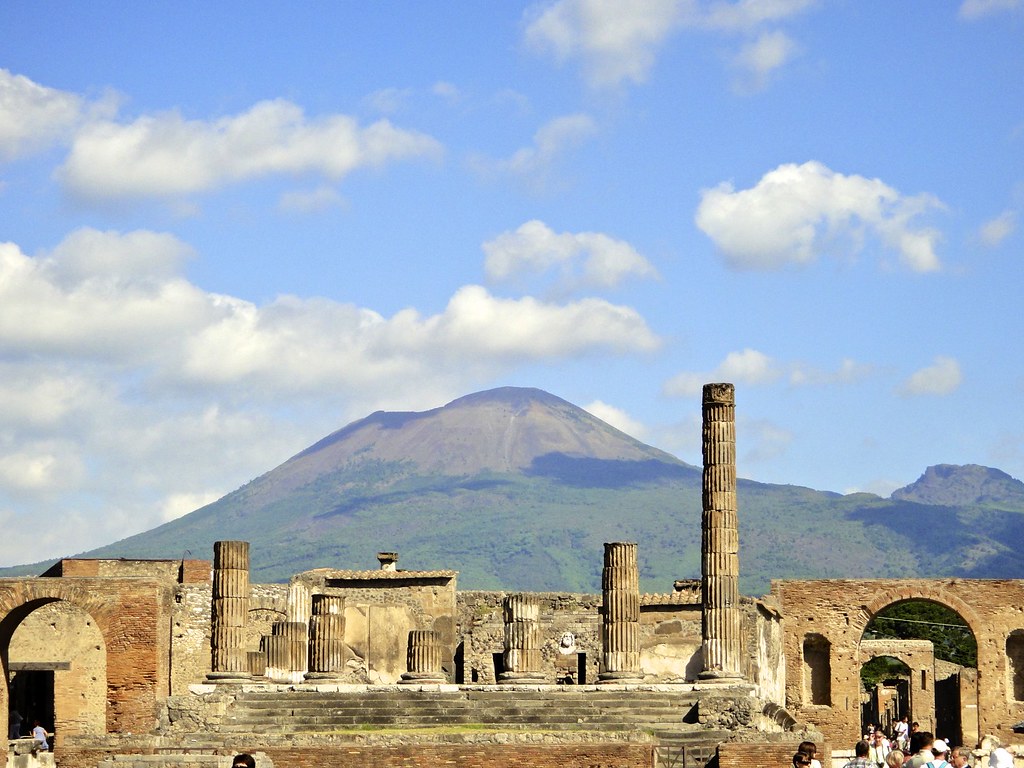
{"type": "Point", "coordinates": [518, 489]}
{"type": "Point", "coordinates": [969, 485]}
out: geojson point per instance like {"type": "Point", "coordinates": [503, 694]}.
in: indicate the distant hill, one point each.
{"type": "Point", "coordinates": [969, 485]}
{"type": "Point", "coordinates": [518, 489]}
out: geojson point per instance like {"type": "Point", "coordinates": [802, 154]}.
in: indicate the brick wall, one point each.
{"type": "Point", "coordinates": [430, 756]}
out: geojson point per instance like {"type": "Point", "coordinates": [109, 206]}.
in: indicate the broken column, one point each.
{"type": "Point", "coordinates": [620, 627]}
{"type": "Point", "coordinates": [720, 544]}
{"type": "Point", "coordinates": [230, 612]}
{"type": "Point", "coordinates": [287, 650]}
{"type": "Point", "coordinates": [423, 660]}
{"type": "Point", "coordinates": [522, 639]}
{"type": "Point", "coordinates": [327, 638]}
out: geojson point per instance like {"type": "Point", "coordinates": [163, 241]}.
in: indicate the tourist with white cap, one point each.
{"type": "Point", "coordinates": [940, 750]}
{"type": "Point", "coordinates": [1000, 758]}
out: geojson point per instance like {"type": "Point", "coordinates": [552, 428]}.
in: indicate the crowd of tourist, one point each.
{"type": "Point", "coordinates": [909, 747]}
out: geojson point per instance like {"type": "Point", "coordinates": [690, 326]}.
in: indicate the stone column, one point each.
{"type": "Point", "coordinates": [720, 543]}
{"type": "Point", "coordinates": [287, 650]}
{"type": "Point", "coordinates": [620, 627]}
{"type": "Point", "coordinates": [522, 639]}
{"type": "Point", "coordinates": [424, 658]}
{"type": "Point", "coordinates": [327, 638]}
{"type": "Point", "coordinates": [229, 612]}
{"type": "Point", "coordinates": [297, 613]}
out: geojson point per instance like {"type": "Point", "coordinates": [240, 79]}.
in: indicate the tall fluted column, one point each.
{"type": "Point", "coordinates": [326, 638]}
{"type": "Point", "coordinates": [424, 658]}
{"type": "Point", "coordinates": [720, 543]}
{"type": "Point", "coordinates": [522, 639]}
{"type": "Point", "coordinates": [620, 627]}
{"type": "Point", "coordinates": [229, 612]}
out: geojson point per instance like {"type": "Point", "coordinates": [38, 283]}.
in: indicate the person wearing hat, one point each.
{"type": "Point", "coordinates": [940, 750]}
{"type": "Point", "coordinates": [1000, 758]}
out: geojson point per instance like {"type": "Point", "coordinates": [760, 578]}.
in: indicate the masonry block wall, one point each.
{"type": "Point", "coordinates": [837, 611]}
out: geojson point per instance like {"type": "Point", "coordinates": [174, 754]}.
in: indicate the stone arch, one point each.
{"type": "Point", "coordinates": [928, 593]}
{"type": "Point", "coordinates": [59, 641]}
{"type": "Point", "coordinates": [131, 615]}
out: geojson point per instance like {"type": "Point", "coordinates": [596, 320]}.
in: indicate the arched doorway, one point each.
{"type": "Point", "coordinates": [885, 681]}
{"type": "Point", "coordinates": [937, 686]}
{"type": "Point", "coordinates": [56, 665]}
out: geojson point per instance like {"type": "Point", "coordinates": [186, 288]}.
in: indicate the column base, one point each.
{"type": "Point", "coordinates": [535, 678]}
{"type": "Point", "coordinates": [323, 676]}
{"type": "Point", "coordinates": [227, 678]}
{"type": "Point", "coordinates": [718, 676]}
{"type": "Point", "coordinates": [424, 678]}
{"type": "Point", "coordinates": [604, 678]}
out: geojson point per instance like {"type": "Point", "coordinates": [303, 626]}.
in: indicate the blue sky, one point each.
{"type": "Point", "coordinates": [228, 229]}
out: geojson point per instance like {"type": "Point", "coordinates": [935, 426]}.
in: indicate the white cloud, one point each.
{"type": "Point", "coordinates": [447, 91]}
{"type": "Point", "coordinates": [994, 231]}
{"type": "Point", "coordinates": [754, 368]}
{"type": "Point", "coordinates": [166, 156]}
{"type": "Point", "coordinates": [848, 372]}
{"type": "Point", "coordinates": [797, 213]}
{"type": "Point", "coordinates": [33, 116]}
{"type": "Point", "coordinates": [617, 41]}
{"type": "Point", "coordinates": [943, 377]}
{"type": "Point", "coordinates": [762, 56]}
{"type": "Point", "coordinates": [976, 9]}
{"type": "Point", "coordinates": [745, 367]}
{"type": "Point", "coordinates": [387, 101]}
{"type": "Point", "coordinates": [311, 201]}
{"type": "Point", "coordinates": [534, 163]}
{"type": "Point", "coordinates": [618, 418]}
{"type": "Point", "coordinates": [581, 260]}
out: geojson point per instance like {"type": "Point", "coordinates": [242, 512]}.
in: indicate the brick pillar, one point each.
{"type": "Point", "coordinates": [522, 639]}
{"type": "Point", "coordinates": [720, 543]}
{"type": "Point", "coordinates": [327, 638]}
{"type": "Point", "coordinates": [620, 627]}
{"type": "Point", "coordinates": [424, 658]}
{"type": "Point", "coordinates": [230, 612]}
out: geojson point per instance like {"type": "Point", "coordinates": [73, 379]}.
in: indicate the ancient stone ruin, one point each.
{"type": "Point", "coordinates": [184, 663]}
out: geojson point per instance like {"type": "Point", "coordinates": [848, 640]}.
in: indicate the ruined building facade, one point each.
{"type": "Point", "coordinates": [182, 663]}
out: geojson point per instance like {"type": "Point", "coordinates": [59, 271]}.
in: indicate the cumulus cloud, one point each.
{"type": "Point", "coordinates": [977, 9]}
{"type": "Point", "coordinates": [33, 116]}
{"type": "Point", "coordinates": [617, 41]}
{"type": "Point", "coordinates": [167, 156]}
{"type": "Point", "coordinates": [754, 368]}
{"type": "Point", "coordinates": [797, 213]}
{"type": "Point", "coordinates": [994, 231]}
{"type": "Point", "coordinates": [942, 377]}
{"type": "Point", "coordinates": [534, 163]}
{"type": "Point", "coordinates": [580, 260]}
{"type": "Point", "coordinates": [618, 418]}
{"type": "Point", "coordinates": [116, 297]}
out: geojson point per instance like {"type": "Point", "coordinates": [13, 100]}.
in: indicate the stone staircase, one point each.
{"type": "Point", "coordinates": [584, 708]}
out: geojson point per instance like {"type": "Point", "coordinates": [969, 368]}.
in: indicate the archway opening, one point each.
{"type": "Point", "coordinates": [930, 656]}
{"type": "Point", "coordinates": [56, 669]}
